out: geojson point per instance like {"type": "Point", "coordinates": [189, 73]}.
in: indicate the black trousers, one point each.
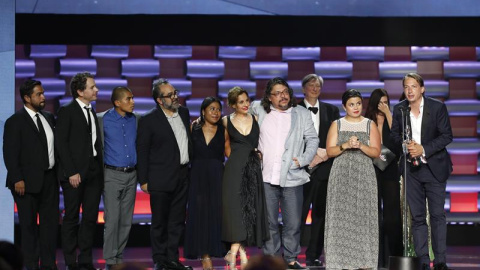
{"type": "Point", "coordinates": [421, 185]}
{"type": "Point", "coordinates": [315, 193]}
{"type": "Point", "coordinates": [389, 215]}
{"type": "Point", "coordinates": [168, 219]}
{"type": "Point", "coordinates": [39, 242]}
{"type": "Point", "coordinates": [76, 233]}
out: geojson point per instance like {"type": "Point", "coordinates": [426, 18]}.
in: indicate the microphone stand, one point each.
{"type": "Point", "coordinates": [405, 262]}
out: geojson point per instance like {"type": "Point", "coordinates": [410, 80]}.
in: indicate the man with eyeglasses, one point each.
{"type": "Point", "coordinates": [163, 154]}
{"type": "Point", "coordinates": [288, 142]}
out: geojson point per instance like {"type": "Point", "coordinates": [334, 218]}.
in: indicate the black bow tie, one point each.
{"type": "Point", "coordinates": [313, 109]}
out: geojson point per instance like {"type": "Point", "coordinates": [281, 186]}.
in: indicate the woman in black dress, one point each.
{"type": "Point", "coordinates": [203, 226]}
{"type": "Point", "coordinates": [244, 221]}
{"type": "Point", "coordinates": [388, 181]}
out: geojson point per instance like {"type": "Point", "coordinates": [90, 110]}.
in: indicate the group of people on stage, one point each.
{"type": "Point", "coordinates": [282, 158]}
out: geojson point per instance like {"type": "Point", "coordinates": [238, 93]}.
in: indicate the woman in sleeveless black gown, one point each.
{"type": "Point", "coordinates": [244, 219]}
{"type": "Point", "coordinates": [203, 226]}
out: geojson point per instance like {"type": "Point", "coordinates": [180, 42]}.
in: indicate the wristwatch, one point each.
{"type": "Point", "coordinates": [341, 148]}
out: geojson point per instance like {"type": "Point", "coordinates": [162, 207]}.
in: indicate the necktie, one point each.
{"type": "Point", "coordinates": [89, 123]}
{"type": "Point", "coordinates": [313, 109]}
{"type": "Point", "coordinates": [89, 120]}
{"type": "Point", "coordinates": [43, 137]}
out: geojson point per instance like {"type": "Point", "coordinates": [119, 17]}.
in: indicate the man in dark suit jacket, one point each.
{"type": "Point", "coordinates": [80, 170]}
{"type": "Point", "coordinates": [430, 133]}
{"type": "Point", "coordinates": [315, 191]}
{"type": "Point", "coordinates": [163, 152]}
{"type": "Point", "coordinates": [28, 153]}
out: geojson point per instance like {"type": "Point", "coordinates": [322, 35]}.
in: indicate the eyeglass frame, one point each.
{"type": "Point", "coordinates": [171, 95]}
{"type": "Point", "coordinates": [283, 93]}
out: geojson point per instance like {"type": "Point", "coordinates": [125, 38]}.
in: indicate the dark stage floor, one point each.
{"type": "Point", "coordinates": [458, 258]}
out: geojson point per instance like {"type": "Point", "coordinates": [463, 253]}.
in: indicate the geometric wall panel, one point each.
{"type": "Point", "coordinates": [430, 53]}
{"type": "Point", "coordinates": [363, 53]}
{"type": "Point", "coordinates": [205, 69]}
{"type": "Point", "coordinates": [140, 68]}
{"type": "Point", "coordinates": [334, 69]}
{"type": "Point", "coordinates": [396, 70]}
{"type": "Point", "coordinates": [172, 51]}
{"type": "Point", "coordinates": [304, 53]}
{"type": "Point", "coordinates": [54, 87]}
{"type": "Point", "coordinates": [461, 69]}
{"type": "Point", "coordinates": [365, 87]}
{"type": "Point", "coordinates": [48, 51]}
{"type": "Point", "coordinates": [268, 70]}
{"type": "Point", "coordinates": [24, 68]}
{"type": "Point", "coordinates": [109, 51]}
{"type": "Point", "coordinates": [236, 52]}
{"type": "Point", "coordinates": [69, 67]}
{"type": "Point", "coordinates": [225, 86]}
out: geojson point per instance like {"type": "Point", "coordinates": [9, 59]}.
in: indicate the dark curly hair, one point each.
{"type": "Point", "coordinates": [79, 82]}
{"type": "Point", "coordinates": [268, 91]}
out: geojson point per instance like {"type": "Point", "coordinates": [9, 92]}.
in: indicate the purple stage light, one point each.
{"type": "Point", "coordinates": [464, 146]}
{"type": "Point", "coordinates": [109, 51]}
{"type": "Point", "coordinates": [172, 51]}
{"type": "Point", "coordinates": [334, 69]}
{"type": "Point", "coordinates": [225, 86]}
{"type": "Point", "coordinates": [143, 104]}
{"type": "Point", "coordinates": [106, 85]}
{"type": "Point", "coordinates": [24, 68]}
{"type": "Point", "coordinates": [365, 53]}
{"type": "Point", "coordinates": [193, 106]}
{"type": "Point", "coordinates": [70, 67]}
{"type": "Point", "coordinates": [48, 51]}
{"type": "Point", "coordinates": [396, 70]}
{"type": "Point", "coordinates": [268, 70]}
{"type": "Point", "coordinates": [53, 87]}
{"type": "Point", "coordinates": [430, 53]}
{"type": "Point", "coordinates": [183, 86]}
{"type": "Point", "coordinates": [463, 107]}
{"type": "Point", "coordinates": [461, 69]}
{"type": "Point", "coordinates": [140, 68]}
{"type": "Point", "coordinates": [302, 53]}
{"type": "Point", "coordinates": [365, 87]}
{"type": "Point", "coordinates": [210, 69]}
{"type": "Point", "coordinates": [237, 52]}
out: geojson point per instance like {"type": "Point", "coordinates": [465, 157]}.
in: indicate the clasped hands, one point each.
{"type": "Point", "coordinates": [354, 143]}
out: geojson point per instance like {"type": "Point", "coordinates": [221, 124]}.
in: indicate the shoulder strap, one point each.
{"type": "Point", "coordinates": [338, 125]}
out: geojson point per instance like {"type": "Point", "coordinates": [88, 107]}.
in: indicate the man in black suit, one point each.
{"type": "Point", "coordinates": [28, 153]}
{"type": "Point", "coordinates": [430, 133]}
{"type": "Point", "coordinates": [80, 170]}
{"type": "Point", "coordinates": [163, 152]}
{"type": "Point", "coordinates": [315, 191]}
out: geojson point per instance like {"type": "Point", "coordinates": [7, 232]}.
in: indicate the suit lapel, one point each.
{"type": "Point", "coordinates": [425, 117]}
{"type": "Point", "coordinates": [80, 110]}
{"type": "Point", "coordinates": [29, 121]}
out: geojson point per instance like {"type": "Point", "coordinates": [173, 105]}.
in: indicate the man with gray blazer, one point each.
{"type": "Point", "coordinates": [288, 142]}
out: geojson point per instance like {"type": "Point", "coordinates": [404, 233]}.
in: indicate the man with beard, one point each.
{"type": "Point", "coordinates": [288, 142]}
{"type": "Point", "coordinates": [28, 151]}
{"type": "Point", "coordinates": [118, 133]}
{"type": "Point", "coordinates": [80, 170]}
{"type": "Point", "coordinates": [163, 151]}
